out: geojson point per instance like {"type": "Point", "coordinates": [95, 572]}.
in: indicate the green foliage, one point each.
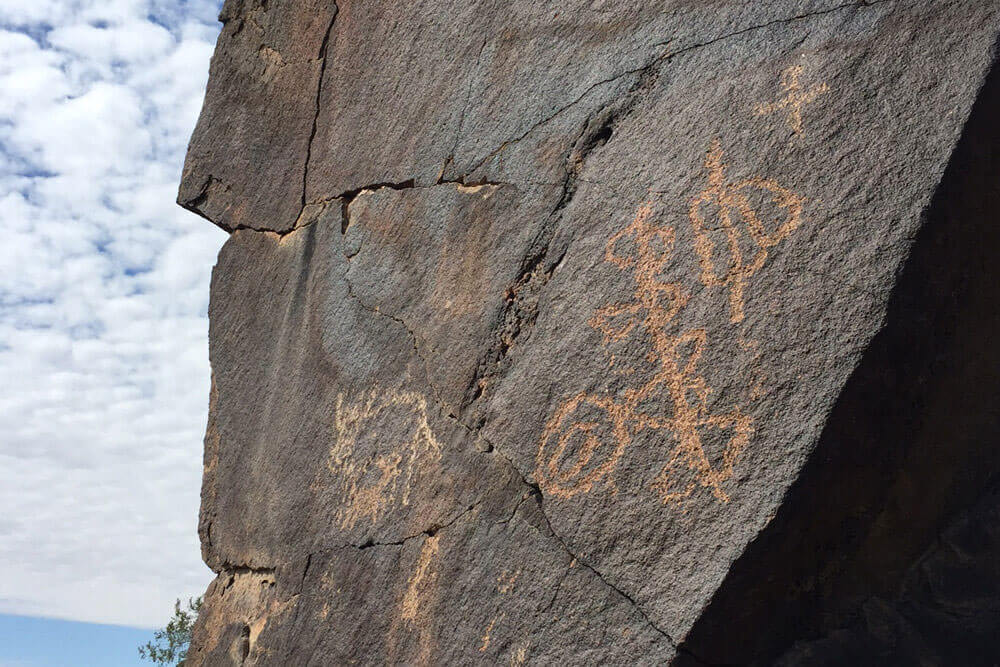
{"type": "Point", "coordinates": [170, 645]}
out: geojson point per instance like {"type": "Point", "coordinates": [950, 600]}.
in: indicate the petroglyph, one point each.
{"type": "Point", "coordinates": [487, 636]}
{"type": "Point", "coordinates": [371, 482]}
{"type": "Point", "coordinates": [731, 201]}
{"type": "Point", "coordinates": [423, 580]}
{"type": "Point", "coordinates": [795, 98]}
{"type": "Point", "coordinates": [587, 436]}
{"type": "Point", "coordinates": [577, 427]}
{"type": "Point", "coordinates": [506, 581]}
{"type": "Point", "coordinates": [417, 604]}
{"type": "Point", "coordinates": [520, 655]}
{"type": "Point", "coordinates": [505, 584]}
{"type": "Point", "coordinates": [585, 439]}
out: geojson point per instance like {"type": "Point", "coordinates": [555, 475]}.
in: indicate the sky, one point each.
{"type": "Point", "coordinates": [36, 642]}
{"type": "Point", "coordinates": [104, 373]}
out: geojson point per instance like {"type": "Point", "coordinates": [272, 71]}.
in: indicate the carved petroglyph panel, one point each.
{"type": "Point", "coordinates": [795, 99]}
{"type": "Point", "coordinates": [375, 478]}
{"type": "Point", "coordinates": [735, 225]}
{"type": "Point", "coordinates": [587, 436]}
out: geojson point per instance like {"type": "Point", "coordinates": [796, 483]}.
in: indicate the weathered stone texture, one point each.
{"type": "Point", "coordinates": [602, 334]}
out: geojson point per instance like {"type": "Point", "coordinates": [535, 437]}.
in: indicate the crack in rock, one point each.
{"type": "Point", "coordinates": [645, 70]}
{"type": "Point", "coordinates": [535, 491]}
{"type": "Point", "coordinates": [413, 338]}
{"type": "Point", "coordinates": [319, 94]}
{"type": "Point", "coordinates": [430, 531]}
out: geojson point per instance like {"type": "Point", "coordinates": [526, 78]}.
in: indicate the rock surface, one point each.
{"type": "Point", "coordinates": [602, 334]}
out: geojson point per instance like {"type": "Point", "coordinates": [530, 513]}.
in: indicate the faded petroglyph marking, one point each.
{"type": "Point", "coordinates": [416, 607]}
{"type": "Point", "coordinates": [585, 438]}
{"type": "Point", "coordinates": [795, 98]}
{"type": "Point", "coordinates": [731, 201]}
{"type": "Point", "coordinates": [505, 584]}
{"type": "Point", "coordinates": [487, 636]}
{"type": "Point", "coordinates": [506, 581]}
{"type": "Point", "coordinates": [423, 581]}
{"type": "Point", "coordinates": [520, 655]}
{"type": "Point", "coordinates": [372, 485]}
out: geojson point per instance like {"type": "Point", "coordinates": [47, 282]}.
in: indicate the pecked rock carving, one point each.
{"type": "Point", "coordinates": [734, 208]}
{"type": "Point", "coordinates": [655, 305]}
{"type": "Point", "coordinates": [795, 99]}
{"type": "Point", "coordinates": [372, 487]}
{"type": "Point", "coordinates": [602, 334]}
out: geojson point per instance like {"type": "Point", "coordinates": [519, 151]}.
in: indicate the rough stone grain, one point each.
{"type": "Point", "coordinates": [593, 334]}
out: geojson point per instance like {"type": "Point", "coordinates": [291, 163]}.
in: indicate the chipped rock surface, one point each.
{"type": "Point", "coordinates": [602, 333]}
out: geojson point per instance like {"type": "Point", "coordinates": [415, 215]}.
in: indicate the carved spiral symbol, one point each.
{"type": "Point", "coordinates": [581, 445]}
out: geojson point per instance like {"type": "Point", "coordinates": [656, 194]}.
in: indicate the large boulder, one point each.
{"type": "Point", "coordinates": [597, 333]}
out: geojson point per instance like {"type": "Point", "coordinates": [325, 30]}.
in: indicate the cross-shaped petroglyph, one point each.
{"type": "Point", "coordinates": [731, 204]}
{"type": "Point", "coordinates": [795, 98]}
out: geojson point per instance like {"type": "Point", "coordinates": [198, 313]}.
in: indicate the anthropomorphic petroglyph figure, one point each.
{"type": "Point", "coordinates": [585, 438]}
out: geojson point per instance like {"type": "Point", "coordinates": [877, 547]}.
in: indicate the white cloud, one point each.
{"type": "Point", "coordinates": [103, 329]}
{"type": "Point", "coordinates": [100, 132]}
{"type": "Point", "coordinates": [132, 42]}
{"type": "Point", "coordinates": [39, 12]}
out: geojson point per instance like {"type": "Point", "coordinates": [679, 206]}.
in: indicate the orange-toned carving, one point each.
{"type": "Point", "coordinates": [488, 635]}
{"type": "Point", "coordinates": [372, 485]}
{"type": "Point", "coordinates": [564, 469]}
{"type": "Point", "coordinates": [423, 581]}
{"type": "Point", "coordinates": [587, 436]}
{"type": "Point", "coordinates": [795, 98]}
{"type": "Point", "coordinates": [736, 214]}
{"type": "Point", "coordinates": [520, 655]}
{"type": "Point", "coordinates": [506, 581]}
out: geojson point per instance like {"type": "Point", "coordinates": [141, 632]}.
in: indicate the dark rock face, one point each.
{"type": "Point", "coordinates": [595, 334]}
